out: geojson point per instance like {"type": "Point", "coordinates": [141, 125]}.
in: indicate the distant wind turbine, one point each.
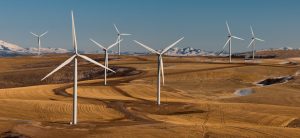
{"type": "Point", "coordinates": [119, 34]}
{"type": "Point", "coordinates": [160, 66]}
{"type": "Point", "coordinates": [39, 40]}
{"type": "Point", "coordinates": [106, 55]}
{"type": "Point", "coordinates": [74, 57]}
{"type": "Point", "coordinates": [252, 43]}
{"type": "Point", "coordinates": [230, 36]}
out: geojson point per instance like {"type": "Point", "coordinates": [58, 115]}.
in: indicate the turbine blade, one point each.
{"type": "Point", "coordinates": [162, 70]}
{"type": "Point", "coordinates": [116, 29]}
{"type": "Point", "coordinates": [252, 31]}
{"type": "Point", "coordinates": [259, 39]}
{"type": "Point", "coordinates": [220, 52]}
{"type": "Point", "coordinates": [34, 34]}
{"type": "Point", "coordinates": [98, 44]}
{"type": "Point", "coordinates": [125, 34]}
{"type": "Point", "coordinates": [74, 33]}
{"type": "Point", "coordinates": [166, 49]}
{"type": "Point", "coordinates": [93, 61]}
{"type": "Point", "coordinates": [148, 48]}
{"type": "Point", "coordinates": [60, 66]}
{"type": "Point", "coordinates": [226, 44]}
{"type": "Point", "coordinates": [43, 33]}
{"type": "Point", "coordinates": [114, 44]}
{"type": "Point", "coordinates": [251, 42]}
{"type": "Point", "coordinates": [237, 38]}
{"type": "Point", "coordinates": [228, 29]}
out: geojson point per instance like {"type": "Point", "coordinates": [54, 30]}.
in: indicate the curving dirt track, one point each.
{"type": "Point", "coordinates": [197, 100]}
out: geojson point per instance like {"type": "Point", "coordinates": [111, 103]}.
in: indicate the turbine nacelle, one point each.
{"type": "Point", "coordinates": [160, 54]}
{"type": "Point", "coordinates": [119, 34]}
{"type": "Point", "coordinates": [105, 49]}
{"type": "Point", "coordinates": [39, 35]}
{"type": "Point", "coordinates": [228, 41]}
{"type": "Point", "coordinates": [254, 38]}
{"type": "Point", "coordinates": [160, 72]}
{"type": "Point", "coordinates": [39, 39]}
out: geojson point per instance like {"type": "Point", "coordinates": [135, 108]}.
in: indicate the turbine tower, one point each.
{"type": "Point", "coordinates": [39, 40]}
{"type": "Point", "coordinates": [252, 43]}
{"type": "Point", "coordinates": [119, 38]}
{"type": "Point", "coordinates": [230, 36]}
{"type": "Point", "coordinates": [106, 55]}
{"type": "Point", "coordinates": [160, 66]}
{"type": "Point", "coordinates": [74, 58]}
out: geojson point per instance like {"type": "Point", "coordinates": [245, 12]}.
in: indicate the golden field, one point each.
{"type": "Point", "coordinates": [198, 98]}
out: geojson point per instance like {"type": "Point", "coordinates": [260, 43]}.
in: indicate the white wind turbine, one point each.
{"type": "Point", "coordinates": [252, 43]}
{"type": "Point", "coordinates": [119, 38]}
{"type": "Point", "coordinates": [106, 55]}
{"type": "Point", "coordinates": [230, 36]}
{"type": "Point", "coordinates": [160, 66]}
{"type": "Point", "coordinates": [39, 40]}
{"type": "Point", "coordinates": [74, 57]}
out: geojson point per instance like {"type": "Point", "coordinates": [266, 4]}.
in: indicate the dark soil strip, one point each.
{"type": "Point", "coordinates": [271, 81]}
{"type": "Point", "coordinates": [33, 77]}
{"type": "Point", "coordinates": [11, 134]}
{"type": "Point", "coordinates": [294, 124]}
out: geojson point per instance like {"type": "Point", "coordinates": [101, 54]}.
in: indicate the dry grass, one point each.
{"type": "Point", "coordinates": [197, 100]}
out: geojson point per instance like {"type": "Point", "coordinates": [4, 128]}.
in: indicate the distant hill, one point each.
{"type": "Point", "coordinates": [282, 48]}
{"type": "Point", "coordinates": [282, 52]}
{"type": "Point", "coordinates": [10, 49]}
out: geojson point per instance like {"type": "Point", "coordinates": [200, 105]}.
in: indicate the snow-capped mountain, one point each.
{"type": "Point", "coordinates": [9, 46]}
{"type": "Point", "coordinates": [189, 51]}
{"type": "Point", "coordinates": [9, 49]}
{"type": "Point", "coordinates": [115, 52]}
{"type": "Point", "coordinates": [47, 50]}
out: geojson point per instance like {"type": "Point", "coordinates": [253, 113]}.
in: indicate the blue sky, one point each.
{"type": "Point", "coordinates": [156, 23]}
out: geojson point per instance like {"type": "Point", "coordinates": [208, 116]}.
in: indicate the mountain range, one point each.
{"type": "Point", "coordinates": [9, 49]}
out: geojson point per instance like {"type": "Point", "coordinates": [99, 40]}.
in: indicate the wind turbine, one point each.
{"type": "Point", "coordinates": [230, 36]}
{"type": "Point", "coordinates": [74, 58]}
{"type": "Point", "coordinates": [160, 66]}
{"type": "Point", "coordinates": [106, 55]}
{"type": "Point", "coordinates": [252, 43]}
{"type": "Point", "coordinates": [119, 38]}
{"type": "Point", "coordinates": [39, 40]}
